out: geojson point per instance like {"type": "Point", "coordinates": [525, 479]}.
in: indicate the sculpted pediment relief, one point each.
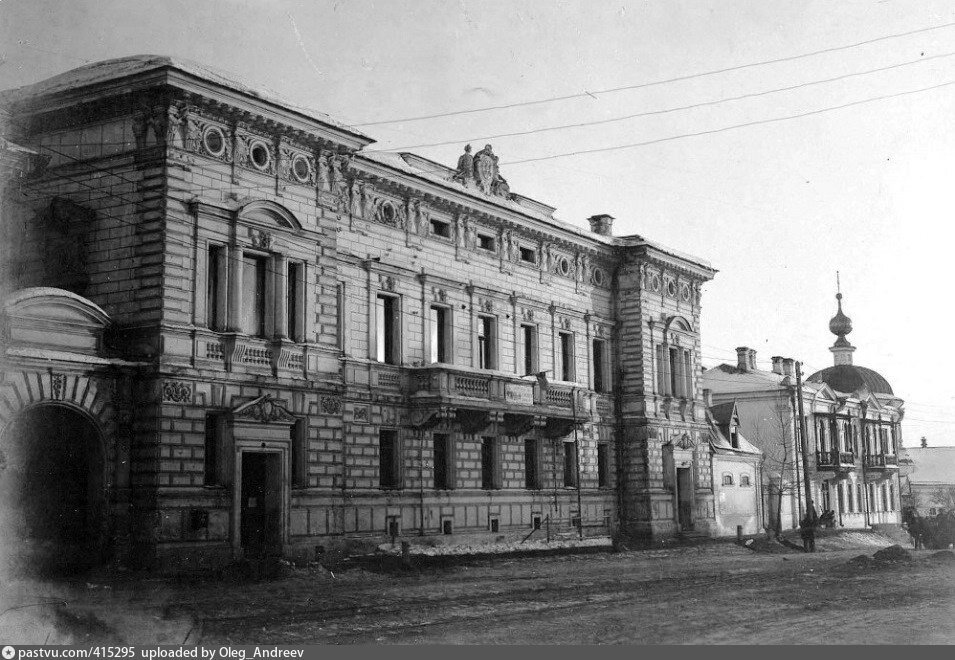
{"type": "Point", "coordinates": [263, 409]}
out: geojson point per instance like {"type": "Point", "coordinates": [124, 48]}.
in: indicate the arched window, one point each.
{"type": "Point", "coordinates": [727, 479]}
{"type": "Point", "coordinates": [744, 480]}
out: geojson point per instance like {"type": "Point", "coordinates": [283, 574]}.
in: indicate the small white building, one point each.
{"type": "Point", "coordinates": [736, 474]}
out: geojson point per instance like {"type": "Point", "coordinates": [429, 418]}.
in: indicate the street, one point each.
{"type": "Point", "coordinates": [712, 594]}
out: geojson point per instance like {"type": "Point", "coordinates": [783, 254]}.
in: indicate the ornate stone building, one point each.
{"type": "Point", "coordinates": [231, 328]}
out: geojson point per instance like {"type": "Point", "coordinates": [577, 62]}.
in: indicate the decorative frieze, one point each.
{"type": "Point", "coordinates": [174, 391]}
{"type": "Point", "coordinates": [331, 405]}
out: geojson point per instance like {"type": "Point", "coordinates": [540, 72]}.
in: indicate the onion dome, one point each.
{"type": "Point", "coordinates": [840, 325]}
{"type": "Point", "coordinates": [849, 378]}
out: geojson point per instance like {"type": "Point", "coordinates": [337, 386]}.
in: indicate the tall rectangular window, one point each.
{"type": "Point", "coordinates": [841, 497]}
{"type": "Point", "coordinates": [565, 367]}
{"type": "Point", "coordinates": [849, 495]}
{"type": "Point", "coordinates": [299, 437]}
{"type": "Point", "coordinates": [675, 372]}
{"type": "Point", "coordinates": [254, 270]}
{"type": "Point", "coordinates": [662, 380]}
{"type": "Point", "coordinates": [389, 474]}
{"type": "Point", "coordinates": [490, 470]}
{"type": "Point", "coordinates": [386, 318]}
{"type": "Point", "coordinates": [603, 465]}
{"type": "Point", "coordinates": [570, 463]}
{"type": "Point", "coordinates": [529, 348]}
{"type": "Point", "coordinates": [214, 303]}
{"type": "Point", "coordinates": [294, 286]}
{"type": "Point", "coordinates": [487, 342]}
{"type": "Point", "coordinates": [599, 358]}
{"type": "Point", "coordinates": [891, 497]}
{"type": "Point", "coordinates": [687, 375]}
{"type": "Point", "coordinates": [440, 334]}
{"type": "Point", "coordinates": [532, 480]}
{"type": "Point", "coordinates": [211, 456]}
{"type": "Point", "coordinates": [859, 503]}
{"type": "Point", "coordinates": [442, 461]}
{"type": "Point", "coordinates": [885, 497]}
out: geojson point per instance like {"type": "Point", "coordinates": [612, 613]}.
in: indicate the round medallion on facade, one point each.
{"type": "Point", "coordinates": [685, 292]}
{"type": "Point", "coordinates": [671, 288]}
{"type": "Point", "coordinates": [563, 266]}
{"type": "Point", "coordinates": [598, 276]}
{"type": "Point", "coordinates": [259, 155]}
{"type": "Point", "coordinates": [655, 282]}
{"type": "Point", "coordinates": [301, 169]}
{"type": "Point", "coordinates": [388, 213]}
{"type": "Point", "coordinates": [213, 140]}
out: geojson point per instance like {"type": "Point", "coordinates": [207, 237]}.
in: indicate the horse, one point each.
{"type": "Point", "coordinates": [918, 528]}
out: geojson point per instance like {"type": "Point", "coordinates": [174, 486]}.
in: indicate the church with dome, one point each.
{"type": "Point", "coordinates": [852, 430]}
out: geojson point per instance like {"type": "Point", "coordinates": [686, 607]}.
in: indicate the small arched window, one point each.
{"type": "Point", "coordinates": [744, 480]}
{"type": "Point", "coordinates": [727, 479]}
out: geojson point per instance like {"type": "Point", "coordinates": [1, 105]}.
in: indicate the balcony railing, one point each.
{"type": "Point", "coordinates": [835, 459]}
{"type": "Point", "coordinates": [447, 381]}
{"type": "Point", "coordinates": [880, 460]}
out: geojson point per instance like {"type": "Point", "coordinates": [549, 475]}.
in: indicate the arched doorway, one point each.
{"type": "Point", "coordinates": [52, 481]}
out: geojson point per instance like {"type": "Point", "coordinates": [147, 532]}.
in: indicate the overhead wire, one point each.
{"type": "Point", "coordinates": [665, 81]}
{"type": "Point", "coordinates": [663, 111]}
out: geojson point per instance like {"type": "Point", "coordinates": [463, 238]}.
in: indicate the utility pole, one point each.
{"type": "Point", "coordinates": [803, 441]}
{"type": "Point", "coordinates": [797, 424]}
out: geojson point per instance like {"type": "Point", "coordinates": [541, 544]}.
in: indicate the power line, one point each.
{"type": "Point", "coordinates": [644, 85]}
{"type": "Point", "coordinates": [723, 129]}
{"type": "Point", "coordinates": [664, 111]}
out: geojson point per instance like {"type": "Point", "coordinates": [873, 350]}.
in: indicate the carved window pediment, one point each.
{"type": "Point", "coordinates": [263, 409]}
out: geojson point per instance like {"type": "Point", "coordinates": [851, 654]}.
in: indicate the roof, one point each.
{"type": "Point", "coordinates": [725, 378]}
{"type": "Point", "coordinates": [851, 378]}
{"type": "Point", "coordinates": [124, 67]}
{"type": "Point", "coordinates": [931, 465]}
{"type": "Point", "coordinates": [723, 412]}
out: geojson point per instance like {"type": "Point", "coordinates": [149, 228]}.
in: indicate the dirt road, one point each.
{"type": "Point", "coordinates": [711, 594]}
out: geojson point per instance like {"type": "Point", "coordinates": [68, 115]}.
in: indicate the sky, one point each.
{"type": "Point", "coordinates": [777, 206]}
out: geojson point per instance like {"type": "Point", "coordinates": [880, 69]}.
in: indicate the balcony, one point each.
{"type": "Point", "coordinates": [880, 461]}
{"type": "Point", "coordinates": [474, 388]}
{"type": "Point", "coordinates": [835, 460]}
{"type": "Point", "coordinates": [475, 399]}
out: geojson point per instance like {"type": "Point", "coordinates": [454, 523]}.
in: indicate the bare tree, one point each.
{"type": "Point", "coordinates": [945, 497]}
{"type": "Point", "coordinates": [774, 436]}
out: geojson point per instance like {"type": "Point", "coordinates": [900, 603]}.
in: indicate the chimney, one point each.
{"type": "Point", "coordinates": [777, 365]}
{"type": "Point", "coordinates": [742, 358]}
{"type": "Point", "coordinates": [708, 397]}
{"type": "Point", "coordinates": [924, 442]}
{"type": "Point", "coordinates": [751, 358]}
{"type": "Point", "coordinates": [601, 224]}
{"type": "Point", "coordinates": [789, 367]}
